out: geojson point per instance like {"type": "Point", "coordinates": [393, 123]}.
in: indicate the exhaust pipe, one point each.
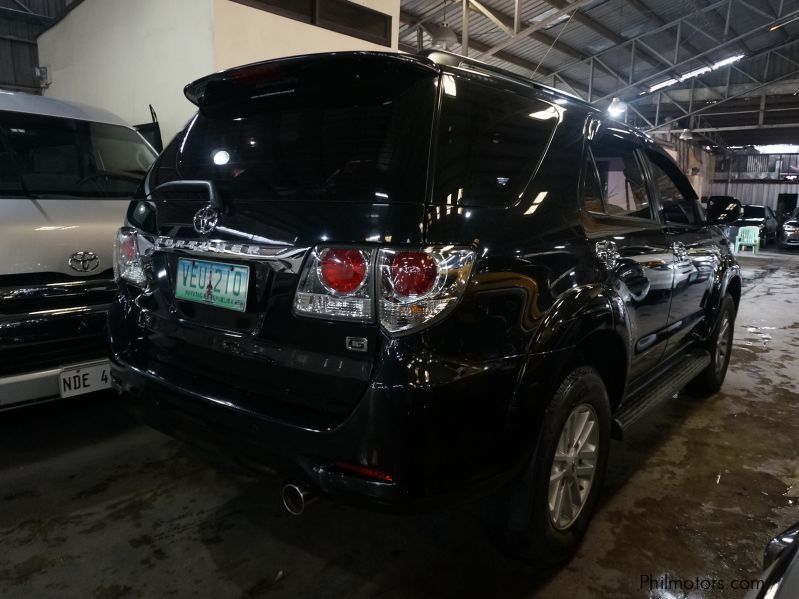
{"type": "Point", "coordinates": [296, 497]}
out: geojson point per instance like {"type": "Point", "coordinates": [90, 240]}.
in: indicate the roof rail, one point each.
{"type": "Point", "coordinates": [451, 59]}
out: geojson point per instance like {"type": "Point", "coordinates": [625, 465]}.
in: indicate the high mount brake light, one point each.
{"type": "Point", "coordinates": [408, 291]}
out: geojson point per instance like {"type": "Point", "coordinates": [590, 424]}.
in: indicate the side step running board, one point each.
{"type": "Point", "coordinates": [665, 386]}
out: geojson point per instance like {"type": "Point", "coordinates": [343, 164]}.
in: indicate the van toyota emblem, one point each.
{"type": "Point", "coordinates": [84, 261]}
{"type": "Point", "coordinates": [205, 220]}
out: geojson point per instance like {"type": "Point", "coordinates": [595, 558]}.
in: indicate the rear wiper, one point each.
{"type": "Point", "coordinates": [186, 185]}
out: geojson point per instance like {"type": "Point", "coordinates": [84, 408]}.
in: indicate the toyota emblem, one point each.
{"type": "Point", "coordinates": [84, 261]}
{"type": "Point", "coordinates": [205, 220]}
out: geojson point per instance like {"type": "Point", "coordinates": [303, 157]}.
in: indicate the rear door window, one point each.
{"type": "Point", "coordinates": [490, 141]}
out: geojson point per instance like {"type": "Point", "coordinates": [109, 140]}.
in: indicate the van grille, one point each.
{"type": "Point", "coordinates": [38, 292]}
{"type": "Point", "coordinates": [32, 357]}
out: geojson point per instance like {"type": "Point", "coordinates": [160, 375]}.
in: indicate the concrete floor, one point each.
{"type": "Point", "coordinates": [94, 505]}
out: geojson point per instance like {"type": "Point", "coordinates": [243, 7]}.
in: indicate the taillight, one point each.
{"type": "Point", "coordinates": [408, 291]}
{"type": "Point", "coordinates": [335, 285]}
{"type": "Point", "coordinates": [127, 259]}
{"type": "Point", "coordinates": [417, 288]}
{"type": "Point", "coordinates": [342, 271]}
{"type": "Point", "coordinates": [412, 274]}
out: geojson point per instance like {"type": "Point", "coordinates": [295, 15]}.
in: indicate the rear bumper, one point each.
{"type": "Point", "coordinates": [791, 239]}
{"type": "Point", "coordinates": [441, 440]}
{"type": "Point", "coordinates": [256, 444]}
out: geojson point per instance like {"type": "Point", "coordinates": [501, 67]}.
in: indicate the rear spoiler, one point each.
{"type": "Point", "coordinates": [281, 76]}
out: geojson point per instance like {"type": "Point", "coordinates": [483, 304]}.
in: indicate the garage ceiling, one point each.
{"type": "Point", "coordinates": [661, 58]}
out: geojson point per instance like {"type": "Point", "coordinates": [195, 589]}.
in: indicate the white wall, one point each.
{"type": "Point", "coordinates": [122, 55]}
{"type": "Point", "coordinates": [243, 34]}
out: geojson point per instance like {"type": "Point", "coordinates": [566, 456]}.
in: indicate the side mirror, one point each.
{"type": "Point", "coordinates": [724, 212]}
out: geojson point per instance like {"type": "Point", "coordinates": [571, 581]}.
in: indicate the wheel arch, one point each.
{"type": "Point", "coordinates": [585, 330]}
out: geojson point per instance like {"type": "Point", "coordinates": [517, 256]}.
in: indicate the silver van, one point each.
{"type": "Point", "coordinates": [67, 173]}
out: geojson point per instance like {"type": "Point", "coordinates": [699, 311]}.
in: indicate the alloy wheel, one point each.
{"type": "Point", "coordinates": [574, 466]}
{"type": "Point", "coordinates": [723, 342]}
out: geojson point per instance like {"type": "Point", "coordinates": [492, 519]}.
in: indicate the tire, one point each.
{"type": "Point", "coordinates": [549, 536]}
{"type": "Point", "coordinates": [719, 345]}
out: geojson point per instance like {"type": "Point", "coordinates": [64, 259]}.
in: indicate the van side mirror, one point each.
{"type": "Point", "coordinates": [723, 211]}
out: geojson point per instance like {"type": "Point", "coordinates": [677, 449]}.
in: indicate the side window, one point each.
{"type": "Point", "coordinates": [674, 206]}
{"type": "Point", "coordinates": [621, 178]}
{"type": "Point", "coordinates": [489, 143]}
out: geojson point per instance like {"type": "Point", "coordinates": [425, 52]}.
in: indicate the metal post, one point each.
{"type": "Point", "coordinates": [761, 115]}
{"type": "Point", "coordinates": [657, 110]}
{"type": "Point", "coordinates": [465, 36]}
{"type": "Point", "coordinates": [729, 174]}
{"type": "Point", "coordinates": [727, 21]}
{"type": "Point", "coordinates": [419, 39]}
{"type": "Point", "coordinates": [591, 80]}
{"type": "Point", "coordinates": [517, 16]}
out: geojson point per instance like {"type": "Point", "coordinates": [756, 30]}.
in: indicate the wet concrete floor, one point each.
{"type": "Point", "coordinates": [94, 505]}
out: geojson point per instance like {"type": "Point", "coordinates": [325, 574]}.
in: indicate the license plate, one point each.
{"type": "Point", "coordinates": [214, 283]}
{"type": "Point", "coordinates": [85, 379]}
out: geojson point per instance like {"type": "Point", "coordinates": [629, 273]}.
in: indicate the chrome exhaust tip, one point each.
{"type": "Point", "coordinates": [296, 497]}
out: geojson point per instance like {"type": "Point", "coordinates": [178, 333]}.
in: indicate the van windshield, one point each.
{"type": "Point", "coordinates": [322, 136]}
{"type": "Point", "coordinates": [44, 156]}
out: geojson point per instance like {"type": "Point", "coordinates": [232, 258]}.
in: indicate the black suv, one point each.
{"type": "Point", "coordinates": [404, 281]}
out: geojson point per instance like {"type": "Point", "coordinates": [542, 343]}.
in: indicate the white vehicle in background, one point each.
{"type": "Point", "coordinates": [67, 172]}
{"type": "Point", "coordinates": [790, 230]}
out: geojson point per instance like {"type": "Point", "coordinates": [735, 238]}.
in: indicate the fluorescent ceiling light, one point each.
{"type": "Point", "coordinates": [697, 72]}
{"type": "Point", "coordinates": [663, 84]}
{"type": "Point", "coordinates": [778, 25]}
{"type": "Point", "coordinates": [726, 61]}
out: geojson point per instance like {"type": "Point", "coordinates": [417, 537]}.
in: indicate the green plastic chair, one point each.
{"type": "Point", "coordinates": [748, 236]}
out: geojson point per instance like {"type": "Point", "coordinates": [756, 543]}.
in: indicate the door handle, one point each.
{"type": "Point", "coordinates": [607, 253]}
{"type": "Point", "coordinates": [679, 249]}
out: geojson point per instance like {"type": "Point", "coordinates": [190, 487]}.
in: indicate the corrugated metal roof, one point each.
{"type": "Point", "coordinates": [604, 28]}
{"type": "Point", "coordinates": [623, 19]}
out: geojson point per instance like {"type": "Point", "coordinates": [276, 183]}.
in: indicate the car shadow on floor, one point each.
{"type": "Point", "coordinates": [334, 550]}
{"type": "Point", "coordinates": [33, 432]}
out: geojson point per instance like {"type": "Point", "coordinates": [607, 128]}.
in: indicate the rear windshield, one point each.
{"type": "Point", "coordinates": [44, 156]}
{"type": "Point", "coordinates": [754, 212]}
{"type": "Point", "coordinates": [360, 137]}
